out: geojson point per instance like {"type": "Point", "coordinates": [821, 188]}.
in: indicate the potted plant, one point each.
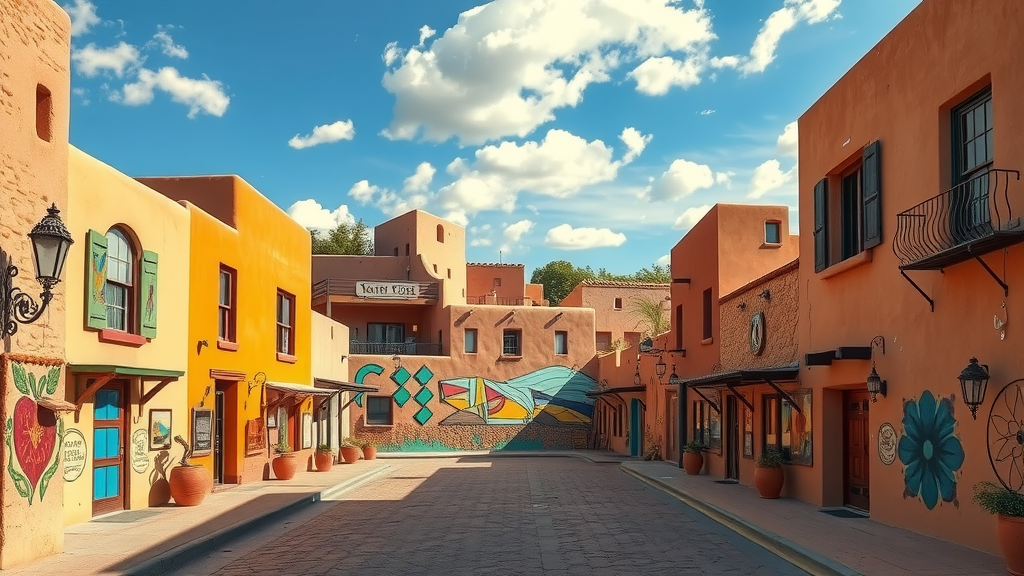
{"type": "Point", "coordinates": [350, 451]}
{"type": "Point", "coordinates": [286, 464]}
{"type": "Point", "coordinates": [693, 458]}
{"type": "Point", "coordinates": [768, 477]}
{"type": "Point", "coordinates": [189, 483]}
{"type": "Point", "coordinates": [1008, 506]}
{"type": "Point", "coordinates": [324, 457]}
{"type": "Point", "coordinates": [369, 449]}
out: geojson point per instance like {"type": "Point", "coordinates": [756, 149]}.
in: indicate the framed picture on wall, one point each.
{"type": "Point", "coordinates": [271, 420]}
{"type": "Point", "coordinates": [307, 430]}
{"type": "Point", "coordinates": [159, 429]}
{"type": "Point", "coordinates": [202, 431]}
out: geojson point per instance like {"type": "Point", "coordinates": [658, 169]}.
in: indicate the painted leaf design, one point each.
{"type": "Point", "coordinates": [32, 385]}
{"type": "Point", "coordinates": [45, 481]}
{"type": "Point", "coordinates": [20, 378]}
{"type": "Point", "coordinates": [52, 379]}
{"type": "Point", "coordinates": [20, 482]}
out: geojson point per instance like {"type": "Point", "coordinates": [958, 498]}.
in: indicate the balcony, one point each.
{"type": "Point", "coordinates": [967, 221]}
{"type": "Point", "coordinates": [393, 348]}
{"type": "Point", "coordinates": [343, 290]}
{"type": "Point", "coordinates": [496, 300]}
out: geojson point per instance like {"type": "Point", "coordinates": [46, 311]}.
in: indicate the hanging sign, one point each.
{"type": "Point", "coordinates": [400, 290]}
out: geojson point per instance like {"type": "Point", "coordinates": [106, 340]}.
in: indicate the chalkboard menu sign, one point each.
{"type": "Point", "coordinates": [202, 431]}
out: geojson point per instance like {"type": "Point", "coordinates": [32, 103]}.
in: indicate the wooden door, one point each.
{"type": "Point", "coordinates": [108, 476]}
{"type": "Point", "coordinates": [856, 449]}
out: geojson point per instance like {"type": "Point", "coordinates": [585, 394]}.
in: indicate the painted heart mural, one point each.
{"type": "Point", "coordinates": [35, 432]}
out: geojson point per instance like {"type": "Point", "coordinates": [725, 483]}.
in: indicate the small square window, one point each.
{"type": "Point", "coordinates": [511, 344]}
{"type": "Point", "coordinates": [470, 340]}
{"type": "Point", "coordinates": [561, 342]}
{"type": "Point", "coordinates": [772, 233]}
{"type": "Point", "coordinates": [379, 411]}
{"type": "Point", "coordinates": [618, 303]}
{"type": "Point", "coordinates": [497, 281]}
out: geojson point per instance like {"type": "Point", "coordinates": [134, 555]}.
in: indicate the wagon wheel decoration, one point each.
{"type": "Point", "coordinates": [1005, 436]}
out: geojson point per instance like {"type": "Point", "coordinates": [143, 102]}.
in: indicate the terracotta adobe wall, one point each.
{"type": "Point", "coordinates": [780, 311]}
{"type": "Point", "coordinates": [506, 280]}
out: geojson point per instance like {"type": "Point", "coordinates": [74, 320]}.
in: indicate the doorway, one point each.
{"type": "Point", "coordinates": [108, 477]}
{"type": "Point", "coordinates": [225, 433]}
{"type": "Point", "coordinates": [732, 466]}
{"type": "Point", "coordinates": [218, 437]}
{"type": "Point", "coordinates": [855, 446]}
{"type": "Point", "coordinates": [636, 426]}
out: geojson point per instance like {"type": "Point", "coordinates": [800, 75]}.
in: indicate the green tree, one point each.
{"type": "Point", "coordinates": [345, 238]}
{"type": "Point", "coordinates": [656, 274]}
{"type": "Point", "coordinates": [559, 278]}
{"type": "Point", "coordinates": [650, 315]}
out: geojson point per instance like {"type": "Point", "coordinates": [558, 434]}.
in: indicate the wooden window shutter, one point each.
{"type": "Point", "coordinates": [96, 273]}
{"type": "Point", "coordinates": [821, 225]}
{"type": "Point", "coordinates": [148, 294]}
{"type": "Point", "coordinates": [872, 196]}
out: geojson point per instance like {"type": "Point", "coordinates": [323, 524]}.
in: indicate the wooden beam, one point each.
{"type": "Point", "coordinates": [90, 390]}
{"type": "Point", "coordinates": [732, 388]}
{"type": "Point", "coordinates": [819, 358]}
{"type": "Point", "coordinates": [156, 389]}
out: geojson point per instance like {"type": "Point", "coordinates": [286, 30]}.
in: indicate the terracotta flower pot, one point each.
{"type": "Point", "coordinates": [189, 484]}
{"type": "Point", "coordinates": [693, 462]}
{"type": "Point", "coordinates": [350, 454]}
{"type": "Point", "coordinates": [1010, 534]}
{"type": "Point", "coordinates": [285, 466]}
{"type": "Point", "coordinates": [369, 452]}
{"type": "Point", "coordinates": [323, 461]}
{"type": "Point", "coordinates": [768, 482]}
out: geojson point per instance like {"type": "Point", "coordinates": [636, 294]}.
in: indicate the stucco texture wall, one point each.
{"type": "Point", "coordinates": [617, 320]}
{"type": "Point", "coordinates": [35, 39]}
{"type": "Point", "coordinates": [781, 313]}
{"type": "Point", "coordinates": [506, 280]}
{"type": "Point", "coordinates": [484, 400]}
{"type": "Point", "coordinates": [901, 94]}
{"type": "Point", "coordinates": [269, 251]}
{"type": "Point", "coordinates": [330, 351]}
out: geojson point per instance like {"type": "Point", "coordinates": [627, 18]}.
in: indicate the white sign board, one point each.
{"type": "Point", "coordinates": [387, 289]}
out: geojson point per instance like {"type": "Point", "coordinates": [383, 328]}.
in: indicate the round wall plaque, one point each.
{"type": "Point", "coordinates": [75, 454]}
{"type": "Point", "coordinates": [887, 443]}
{"type": "Point", "coordinates": [140, 450]}
{"type": "Point", "coordinates": [757, 333]}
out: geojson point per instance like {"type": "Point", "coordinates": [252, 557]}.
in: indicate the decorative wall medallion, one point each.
{"type": "Point", "coordinates": [1005, 436]}
{"type": "Point", "coordinates": [757, 333]}
{"type": "Point", "coordinates": [140, 451]}
{"type": "Point", "coordinates": [930, 450]}
{"type": "Point", "coordinates": [887, 443]}
{"type": "Point", "coordinates": [75, 454]}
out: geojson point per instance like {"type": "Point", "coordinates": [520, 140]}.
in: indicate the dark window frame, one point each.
{"type": "Point", "coordinates": [972, 203]}
{"type": "Point", "coordinates": [778, 412]}
{"type": "Point", "coordinates": [227, 313]}
{"type": "Point", "coordinates": [384, 332]}
{"type": "Point", "coordinates": [516, 348]}
{"type": "Point", "coordinates": [475, 339]}
{"type": "Point", "coordinates": [777, 225]}
{"type": "Point", "coordinates": [285, 326]}
{"type": "Point", "coordinates": [617, 304]}
{"type": "Point", "coordinates": [380, 401]}
{"type": "Point", "coordinates": [708, 305]}
{"type": "Point", "coordinates": [565, 342]}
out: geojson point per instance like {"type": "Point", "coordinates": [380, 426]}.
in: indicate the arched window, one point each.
{"type": "Point", "coordinates": [118, 292]}
{"type": "Point", "coordinates": [440, 233]}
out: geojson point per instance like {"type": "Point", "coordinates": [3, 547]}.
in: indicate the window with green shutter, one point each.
{"type": "Point", "coordinates": [148, 295]}
{"type": "Point", "coordinates": [96, 274]}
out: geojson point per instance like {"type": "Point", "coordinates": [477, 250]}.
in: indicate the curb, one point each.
{"type": "Point", "coordinates": [183, 553]}
{"type": "Point", "coordinates": [807, 560]}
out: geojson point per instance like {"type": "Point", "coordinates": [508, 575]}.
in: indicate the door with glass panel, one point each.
{"type": "Point", "coordinates": [108, 493]}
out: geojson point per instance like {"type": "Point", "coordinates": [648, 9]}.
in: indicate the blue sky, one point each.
{"type": "Point", "coordinates": [594, 131]}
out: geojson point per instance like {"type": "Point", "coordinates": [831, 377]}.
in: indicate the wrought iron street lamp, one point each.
{"type": "Point", "coordinates": [659, 368]}
{"type": "Point", "coordinates": [973, 382]}
{"type": "Point", "coordinates": [50, 243]}
{"type": "Point", "coordinates": [875, 383]}
{"type": "Point", "coordinates": [673, 378]}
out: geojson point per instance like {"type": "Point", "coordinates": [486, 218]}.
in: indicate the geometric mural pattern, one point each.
{"type": "Point", "coordinates": [424, 395]}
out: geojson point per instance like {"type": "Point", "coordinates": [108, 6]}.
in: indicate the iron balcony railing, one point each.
{"type": "Point", "coordinates": [347, 287]}
{"type": "Point", "coordinates": [970, 219]}
{"type": "Point", "coordinates": [393, 348]}
{"type": "Point", "coordinates": [498, 301]}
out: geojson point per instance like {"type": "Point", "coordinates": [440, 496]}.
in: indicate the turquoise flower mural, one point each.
{"type": "Point", "coordinates": [929, 450]}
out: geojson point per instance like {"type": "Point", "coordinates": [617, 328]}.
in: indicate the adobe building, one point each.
{"type": "Point", "coordinates": [910, 181]}
{"type": "Point", "coordinates": [127, 341]}
{"type": "Point", "coordinates": [501, 284]}
{"type": "Point", "coordinates": [453, 375]}
{"type": "Point", "coordinates": [35, 36]}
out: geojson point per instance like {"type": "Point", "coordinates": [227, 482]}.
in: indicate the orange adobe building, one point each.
{"type": "Point", "coordinates": [912, 264]}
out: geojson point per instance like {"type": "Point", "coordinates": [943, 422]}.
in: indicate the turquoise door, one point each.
{"type": "Point", "coordinates": [108, 454]}
{"type": "Point", "coordinates": [635, 427]}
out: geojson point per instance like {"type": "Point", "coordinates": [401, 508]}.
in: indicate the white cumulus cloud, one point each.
{"type": "Point", "coordinates": [565, 237]}
{"type": "Point", "coordinates": [767, 177]}
{"type": "Point", "coordinates": [788, 142]}
{"type": "Point", "coordinates": [420, 180]}
{"type": "Point", "coordinates": [665, 260]}
{"type": "Point", "coordinates": [635, 143]}
{"type": "Point", "coordinates": [83, 16]}
{"type": "Point", "coordinates": [514, 233]}
{"type": "Point", "coordinates": [362, 191]}
{"type": "Point", "coordinates": [684, 178]}
{"type": "Point", "coordinates": [90, 60]}
{"type": "Point", "coordinates": [311, 215]}
{"type": "Point", "coordinates": [657, 75]}
{"type": "Point", "coordinates": [689, 218]}
{"type": "Point", "coordinates": [200, 95]}
{"type": "Point", "coordinates": [325, 134]}
{"type": "Point", "coordinates": [425, 32]}
{"type": "Point", "coordinates": [163, 40]}
{"type": "Point", "coordinates": [778, 23]}
{"type": "Point", "coordinates": [505, 67]}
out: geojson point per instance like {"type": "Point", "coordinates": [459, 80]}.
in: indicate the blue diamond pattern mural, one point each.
{"type": "Point", "coordinates": [401, 396]}
{"type": "Point", "coordinates": [423, 375]}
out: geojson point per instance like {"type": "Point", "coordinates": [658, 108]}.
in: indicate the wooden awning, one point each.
{"type": "Point", "coordinates": [56, 405]}
{"type": "Point", "coordinates": [104, 373]}
{"type": "Point", "coordinates": [339, 386]}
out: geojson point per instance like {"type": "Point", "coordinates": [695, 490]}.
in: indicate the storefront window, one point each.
{"type": "Point", "coordinates": [788, 428]}
{"type": "Point", "coordinates": [707, 425]}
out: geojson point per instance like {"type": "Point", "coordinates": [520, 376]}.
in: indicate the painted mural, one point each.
{"type": "Point", "coordinates": [35, 433]}
{"type": "Point", "coordinates": [552, 395]}
{"type": "Point", "coordinates": [930, 451]}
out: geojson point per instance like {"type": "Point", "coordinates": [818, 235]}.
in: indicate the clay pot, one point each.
{"type": "Point", "coordinates": [285, 466]}
{"type": "Point", "coordinates": [369, 452]}
{"type": "Point", "coordinates": [350, 454]}
{"type": "Point", "coordinates": [693, 462]}
{"type": "Point", "coordinates": [323, 461]}
{"type": "Point", "coordinates": [189, 484]}
{"type": "Point", "coordinates": [768, 482]}
{"type": "Point", "coordinates": [1010, 534]}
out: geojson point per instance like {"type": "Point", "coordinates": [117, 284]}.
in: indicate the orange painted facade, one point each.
{"type": "Point", "coordinates": [503, 284]}
{"type": "Point", "coordinates": [231, 370]}
{"type": "Point", "coordinates": [928, 124]}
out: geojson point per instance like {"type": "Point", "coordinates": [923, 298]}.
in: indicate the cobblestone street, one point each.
{"type": "Point", "coordinates": [476, 515]}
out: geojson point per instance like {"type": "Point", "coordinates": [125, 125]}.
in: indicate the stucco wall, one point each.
{"type": "Point", "coordinates": [780, 312]}
{"type": "Point", "coordinates": [900, 94]}
{"type": "Point", "coordinates": [100, 198]}
{"type": "Point", "coordinates": [507, 280]}
{"type": "Point", "coordinates": [35, 39]}
{"type": "Point", "coordinates": [622, 320]}
{"type": "Point", "coordinates": [537, 325]}
{"type": "Point", "coordinates": [330, 351]}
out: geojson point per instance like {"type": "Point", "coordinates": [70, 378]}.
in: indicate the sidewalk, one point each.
{"type": "Point", "coordinates": [152, 540]}
{"type": "Point", "coordinates": [816, 542]}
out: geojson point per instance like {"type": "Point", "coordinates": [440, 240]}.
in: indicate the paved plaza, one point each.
{"type": "Point", "coordinates": [475, 515]}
